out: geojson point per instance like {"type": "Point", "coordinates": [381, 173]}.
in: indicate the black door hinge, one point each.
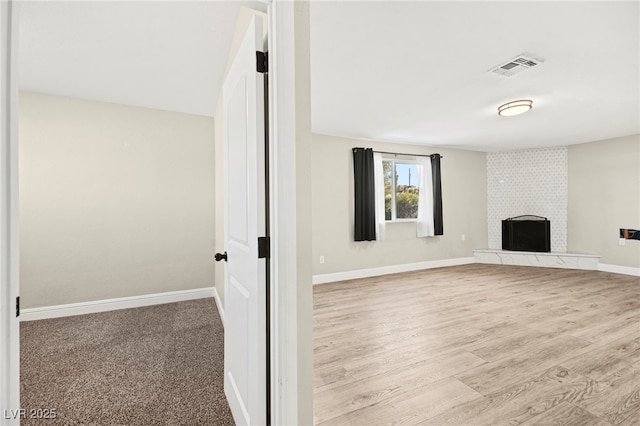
{"type": "Point", "coordinates": [263, 248]}
{"type": "Point", "coordinates": [262, 62]}
{"type": "Point", "coordinates": [18, 306]}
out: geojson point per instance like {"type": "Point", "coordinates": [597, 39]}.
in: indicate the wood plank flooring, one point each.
{"type": "Point", "coordinates": [478, 345]}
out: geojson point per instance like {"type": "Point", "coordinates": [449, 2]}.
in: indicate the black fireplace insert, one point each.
{"type": "Point", "coordinates": [526, 233]}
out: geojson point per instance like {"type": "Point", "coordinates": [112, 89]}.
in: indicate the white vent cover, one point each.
{"type": "Point", "coordinates": [517, 65]}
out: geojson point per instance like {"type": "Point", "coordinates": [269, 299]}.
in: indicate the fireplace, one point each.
{"type": "Point", "coordinates": [526, 233]}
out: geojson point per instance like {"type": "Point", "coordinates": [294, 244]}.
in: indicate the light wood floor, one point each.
{"type": "Point", "coordinates": [478, 345]}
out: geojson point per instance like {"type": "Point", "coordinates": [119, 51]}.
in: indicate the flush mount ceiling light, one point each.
{"type": "Point", "coordinates": [515, 107]}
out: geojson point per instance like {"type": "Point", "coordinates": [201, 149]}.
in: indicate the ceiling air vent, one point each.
{"type": "Point", "coordinates": [517, 65]}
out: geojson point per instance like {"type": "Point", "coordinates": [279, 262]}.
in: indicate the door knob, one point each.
{"type": "Point", "coordinates": [221, 256]}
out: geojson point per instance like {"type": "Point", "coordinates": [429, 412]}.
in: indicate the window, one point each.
{"type": "Point", "coordinates": [400, 190]}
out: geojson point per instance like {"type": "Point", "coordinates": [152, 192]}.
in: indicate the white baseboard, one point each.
{"type": "Point", "coordinates": [626, 270]}
{"type": "Point", "coordinates": [114, 304]}
{"type": "Point", "coordinates": [216, 296]}
{"type": "Point", "coordinates": [394, 269]}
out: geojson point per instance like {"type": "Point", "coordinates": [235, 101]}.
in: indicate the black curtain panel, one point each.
{"type": "Point", "coordinates": [365, 203]}
{"type": "Point", "coordinates": [437, 195]}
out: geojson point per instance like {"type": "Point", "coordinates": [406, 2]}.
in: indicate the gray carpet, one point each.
{"type": "Point", "coordinates": [154, 365]}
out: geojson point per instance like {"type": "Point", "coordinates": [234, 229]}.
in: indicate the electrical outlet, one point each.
{"type": "Point", "coordinates": [321, 259]}
{"type": "Point", "coordinates": [464, 237]}
{"type": "Point", "coordinates": [621, 241]}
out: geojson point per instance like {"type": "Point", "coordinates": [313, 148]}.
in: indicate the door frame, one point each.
{"type": "Point", "coordinates": [291, 349]}
{"type": "Point", "coordinates": [9, 214]}
{"type": "Point", "coordinates": [287, 397]}
{"type": "Point", "coordinates": [284, 291]}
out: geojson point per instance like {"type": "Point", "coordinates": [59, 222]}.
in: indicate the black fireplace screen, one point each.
{"type": "Point", "coordinates": [526, 233]}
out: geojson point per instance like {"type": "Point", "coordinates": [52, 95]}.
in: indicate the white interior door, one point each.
{"type": "Point", "coordinates": [245, 361]}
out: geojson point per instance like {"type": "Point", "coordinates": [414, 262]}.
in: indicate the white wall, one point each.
{"type": "Point", "coordinates": [464, 193]}
{"type": "Point", "coordinates": [115, 200]}
{"type": "Point", "coordinates": [604, 196]}
{"type": "Point", "coordinates": [528, 182]}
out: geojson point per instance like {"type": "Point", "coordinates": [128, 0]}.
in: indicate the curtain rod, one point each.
{"type": "Point", "coordinates": [410, 155]}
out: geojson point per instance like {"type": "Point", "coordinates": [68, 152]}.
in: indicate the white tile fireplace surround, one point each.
{"type": "Point", "coordinates": [543, 259]}
{"type": "Point", "coordinates": [528, 182]}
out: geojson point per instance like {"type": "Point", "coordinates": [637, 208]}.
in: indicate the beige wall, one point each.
{"type": "Point", "coordinates": [115, 200]}
{"type": "Point", "coordinates": [464, 193]}
{"type": "Point", "coordinates": [604, 196]}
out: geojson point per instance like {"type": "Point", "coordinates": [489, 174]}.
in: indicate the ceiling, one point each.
{"type": "Point", "coordinates": [416, 72]}
{"type": "Point", "coordinates": [163, 55]}
{"type": "Point", "coordinates": [409, 72]}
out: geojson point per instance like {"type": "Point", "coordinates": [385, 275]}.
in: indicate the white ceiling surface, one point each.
{"type": "Point", "coordinates": [416, 72]}
{"type": "Point", "coordinates": [163, 55]}
{"type": "Point", "coordinates": [410, 72]}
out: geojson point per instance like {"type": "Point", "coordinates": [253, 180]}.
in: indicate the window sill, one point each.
{"type": "Point", "coordinates": [401, 221]}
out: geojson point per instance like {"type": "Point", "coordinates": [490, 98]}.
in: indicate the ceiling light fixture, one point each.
{"type": "Point", "coordinates": [515, 107]}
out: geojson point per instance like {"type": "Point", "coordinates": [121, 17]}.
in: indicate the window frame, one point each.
{"type": "Point", "coordinates": [393, 162]}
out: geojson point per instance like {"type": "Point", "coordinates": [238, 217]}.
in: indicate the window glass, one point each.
{"type": "Point", "coordinates": [406, 191]}
{"type": "Point", "coordinates": [387, 168]}
{"type": "Point", "coordinates": [400, 190]}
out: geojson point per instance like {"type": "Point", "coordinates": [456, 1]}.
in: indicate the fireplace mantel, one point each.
{"type": "Point", "coordinates": [547, 260]}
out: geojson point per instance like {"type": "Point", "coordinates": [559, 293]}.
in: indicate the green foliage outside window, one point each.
{"type": "Point", "coordinates": [406, 196]}
{"type": "Point", "coordinates": [407, 203]}
{"type": "Point", "coordinates": [388, 182]}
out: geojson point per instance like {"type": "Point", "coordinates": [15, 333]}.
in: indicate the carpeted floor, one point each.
{"type": "Point", "coordinates": [155, 365]}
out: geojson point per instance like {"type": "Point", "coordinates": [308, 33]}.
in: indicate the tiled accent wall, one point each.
{"type": "Point", "coordinates": [532, 181]}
